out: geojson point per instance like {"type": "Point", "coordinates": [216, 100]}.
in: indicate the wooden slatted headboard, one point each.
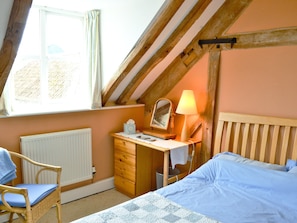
{"type": "Point", "coordinates": [263, 138]}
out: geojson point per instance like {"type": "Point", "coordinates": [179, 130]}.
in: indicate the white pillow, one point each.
{"type": "Point", "coordinates": [240, 159]}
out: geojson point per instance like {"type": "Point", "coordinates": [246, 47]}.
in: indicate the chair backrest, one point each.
{"type": "Point", "coordinates": [42, 196]}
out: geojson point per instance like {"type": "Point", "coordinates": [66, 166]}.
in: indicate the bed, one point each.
{"type": "Point", "coordinates": [252, 177]}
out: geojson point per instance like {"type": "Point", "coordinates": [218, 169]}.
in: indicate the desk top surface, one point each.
{"type": "Point", "coordinates": [154, 142]}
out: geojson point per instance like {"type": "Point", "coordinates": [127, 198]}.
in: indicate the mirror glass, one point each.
{"type": "Point", "coordinates": [161, 114]}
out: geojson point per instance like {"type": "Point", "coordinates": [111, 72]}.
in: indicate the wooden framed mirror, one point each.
{"type": "Point", "coordinates": [160, 119]}
{"type": "Point", "coordinates": [161, 114]}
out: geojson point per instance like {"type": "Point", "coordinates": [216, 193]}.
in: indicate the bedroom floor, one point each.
{"type": "Point", "coordinates": [85, 206]}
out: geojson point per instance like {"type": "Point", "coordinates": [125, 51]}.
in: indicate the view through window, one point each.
{"type": "Point", "coordinates": [49, 72]}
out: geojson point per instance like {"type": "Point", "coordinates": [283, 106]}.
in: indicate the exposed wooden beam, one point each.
{"type": "Point", "coordinates": [174, 38]}
{"type": "Point", "coordinates": [266, 38]}
{"type": "Point", "coordinates": [13, 36]}
{"type": "Point", "coordinates": [159, 22]}
{"type": "Point", "coordinates": [156, 91]}
{"type": "Point", "coordinates": [215, 27]}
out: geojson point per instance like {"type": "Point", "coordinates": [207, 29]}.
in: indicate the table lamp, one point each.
{"type": "Point", "coordinates": [186, 106]}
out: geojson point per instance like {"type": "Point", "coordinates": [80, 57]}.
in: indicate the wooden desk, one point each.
{"type": "Point", "coordinates": [132, 159]}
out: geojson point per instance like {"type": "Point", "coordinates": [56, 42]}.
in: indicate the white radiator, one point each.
{"type": "Point", "coordinates": [72, 150]}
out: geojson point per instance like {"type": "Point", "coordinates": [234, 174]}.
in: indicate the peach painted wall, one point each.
{"type": "Point", "coordinates": [103, 122]}
{"type": "Point", "coordinates": [261, 81]}
{"type": "Point", "coordinates": [257, 81]}
{"type": "Point", "coordinates": [196, 80]}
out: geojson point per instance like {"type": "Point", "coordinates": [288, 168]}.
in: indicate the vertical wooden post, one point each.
{"type": "Point", "coordinates": [208, 116]}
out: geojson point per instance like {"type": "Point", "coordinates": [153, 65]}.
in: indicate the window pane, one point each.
{"type": "Point", "coordinates": [26, 67]}
{"type": "Point", "coordinates": [49, 71]}
{"type": "Point", "coordinates": [64, 38]}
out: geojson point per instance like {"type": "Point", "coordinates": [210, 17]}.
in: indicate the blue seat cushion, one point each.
{"type": "Point", "coordinates": [36, 193]}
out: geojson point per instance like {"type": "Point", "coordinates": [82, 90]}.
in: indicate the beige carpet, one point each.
{"type": "Point", "coordinates": [85, 206]}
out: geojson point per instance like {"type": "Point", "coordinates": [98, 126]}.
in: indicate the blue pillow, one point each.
{"type": "Point", "coordinates": [239, 159]}
{"type": "Point", "coordinates": [290, 164]}
{"type": "Point", "coordinates": [293, 170]}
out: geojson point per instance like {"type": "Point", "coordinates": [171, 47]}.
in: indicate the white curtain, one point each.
{"type": "Point", "coordinates": [93, 55]}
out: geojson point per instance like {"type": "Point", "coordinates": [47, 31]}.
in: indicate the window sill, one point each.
{"type": "Point", "coordinates": [71, 111]}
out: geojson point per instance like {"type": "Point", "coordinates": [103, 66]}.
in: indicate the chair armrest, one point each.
{"type": "Point", "coordinates": [56, 169]}
{"type": "Point", "coordinates": [44, 167]}
{"type": "Point", "coordinates": [14, 190]}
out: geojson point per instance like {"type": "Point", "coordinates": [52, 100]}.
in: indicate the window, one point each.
{"type": "Point", "coordinates": [50, 72]}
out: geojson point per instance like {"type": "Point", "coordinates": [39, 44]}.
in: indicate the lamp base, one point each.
{"type": "Point", "coordinates": [185, 131]}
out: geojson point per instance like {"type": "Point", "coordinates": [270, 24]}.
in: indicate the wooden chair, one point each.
{"type": "Point", "coordinates": [31, 201]}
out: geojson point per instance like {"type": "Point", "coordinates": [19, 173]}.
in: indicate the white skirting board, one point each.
{"type": "Point", "coordinates": [87, 190]}
{"type": "Point", "coordinates": [80, 192]}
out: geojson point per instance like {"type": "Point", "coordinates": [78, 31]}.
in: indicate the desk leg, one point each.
{"type": "Point", "coordinates": [165, 168]}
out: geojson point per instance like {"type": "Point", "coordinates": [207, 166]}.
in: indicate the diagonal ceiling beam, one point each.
{"type": "Point", "coordinates": [174, 38]}
{"type": "Point", "coordinates": [159, 22]}
{"type": "Point", "coordinates": [13, 36]}
{"type": "Point", "coordinates": [215, 27]}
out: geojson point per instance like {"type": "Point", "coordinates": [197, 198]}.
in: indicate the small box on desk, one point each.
{"type": "Point", "coordinates": [129, 128]}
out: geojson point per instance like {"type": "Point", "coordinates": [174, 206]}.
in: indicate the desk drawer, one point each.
{"type": "Point", "coordinates": [125, 146]}
{"type": "Point", "coordinates": [125, 158]}
{"type": "Point", "coordinates": [124, 185]}
{"type": "Point", "coordinates": [125, 170]}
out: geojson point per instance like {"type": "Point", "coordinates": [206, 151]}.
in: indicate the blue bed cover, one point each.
{"type": "Point", "coordinates": [234, 192]}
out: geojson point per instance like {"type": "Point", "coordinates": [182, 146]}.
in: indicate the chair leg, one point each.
{"type": "Point", "coordinates": [29, 217]}
{"type": "Point", "coordinates": [10, 217]}
{"type": "Point", "coordinates": [22, 218]}
{"type": "Point", "coordinates": [58, 206]}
